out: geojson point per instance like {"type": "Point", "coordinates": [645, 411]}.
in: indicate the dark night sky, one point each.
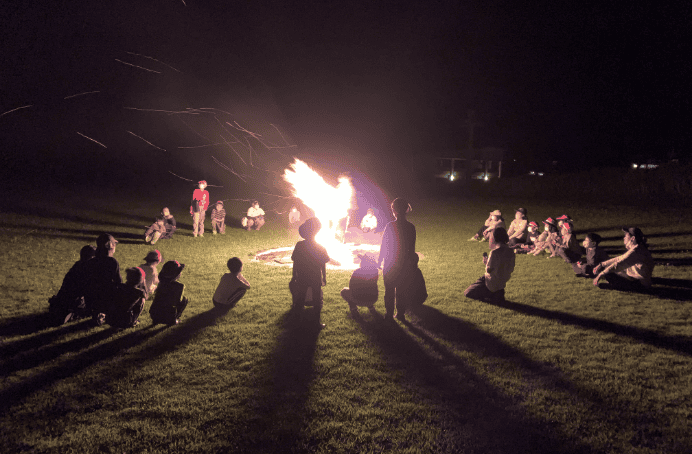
{"type": "Point", "coordinates": [360, 81]}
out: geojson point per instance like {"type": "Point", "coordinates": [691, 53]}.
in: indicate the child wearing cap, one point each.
{"type": "Point", "coordinates": [531, 239]}
{"type": "Point", "coordinates": [595, 254]}
{"type": "Point", "coordinates": [218, 218]}
{"type": "Point", "coordinates": [169, 222]}
{"type": "Point", "coordinates": [544, 240]}
{"type": "Point", "coordinates": [232, 286]}
{"type": "Point", "coordinates": [151, 272]}
{"type": "Point", "coordinates": [255, 216]}
{"type": "Point", "coordinates": [362, 288]}
{"type": "Point", "coordinates": [568, 248]}
{"type": "Point", "coordinates": [309, 269]}
{"type": "Point", "coordinates": [128, 301]}
{"type": "Point", "coordinates": [198, 208]}
{"type": "Point", "coordinates": [632, 270]}
{"type": "Point", "coordinates": [169, 302]}
{"type": "Point", "coordinates": [68, 304]}
{"type": "Point", "coordinates": [518, 228]}
{"type": "Point", "coordinates": [155, 230]}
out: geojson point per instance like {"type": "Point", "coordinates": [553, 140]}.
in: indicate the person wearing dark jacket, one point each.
{"type": "Point", "coordinates": [103, 276]}
{"type": "Point", "coordinates": [595, 254]}
{"type": "Point", "coordinates": [169, 223]}
{"type": "Point", "coordinates": [397, 259]}
{"type": "Point", "coordinates": [128, 301]}
{"type": "Point", "coordinates": [169, 302]}
{"type": "Point", "coordinates": [68, 304]}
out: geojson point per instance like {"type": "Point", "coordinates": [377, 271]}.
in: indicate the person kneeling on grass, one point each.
{"type": "Point", "coordinates": [128, 301]}
{"type": "Point", "coordinates": [169, 302]}
{"type": "Point", "coordinates": [232, 286]}
{"type": "Point", "coordinates": [498, 269]}
{"type": "Point", "coordinates": [633, 269]}
{"type": "Point", "coordinates": [362, 288]}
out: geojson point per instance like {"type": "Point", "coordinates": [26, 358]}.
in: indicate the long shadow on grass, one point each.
{"type": "Point", "coordinates": [72, 364]}
{"type": "Point", "coordinates": [475, 415]}
{"type": "Point", "coordinates": [37, 335]}
{"type": "Point", "coordinates": [278, 415]}
{"type": "Point", "coordinates": [606, 411]}
{"type": "Point", "coordinates": [680, 344]}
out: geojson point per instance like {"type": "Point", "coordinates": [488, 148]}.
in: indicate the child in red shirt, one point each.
{"type": "Point", "coordinates": [198, 208]}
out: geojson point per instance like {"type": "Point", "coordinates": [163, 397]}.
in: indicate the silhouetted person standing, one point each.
{"type": "Point", "coordinates": [397, 259]}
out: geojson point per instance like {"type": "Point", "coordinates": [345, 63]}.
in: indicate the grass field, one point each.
{"type": "Point", "coordinates": [560, 367]}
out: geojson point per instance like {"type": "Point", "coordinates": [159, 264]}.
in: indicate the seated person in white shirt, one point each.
{"type": "Point", "coordinates": [232, 286]}
{"type": "Point", "coordinates": [498, 269]}
{"type": "Point", "coordinates": [369, 222]}
{"type": "Point", "coordinates": [255, 216]}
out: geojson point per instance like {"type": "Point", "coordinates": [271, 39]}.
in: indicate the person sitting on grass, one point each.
{"type": "Point", "coordinates": [369, 222]}
{"type": "Point", "coordinates": [499, 266]}
{"type": "Point", "coordinates": [497, 222]}
{"type": "Point", "coordinates": [169, 302]}
{"type": "Point", "coordinates": [128, 301]}
{"type": "Point", "coordinates": [489, 224]}
{"type": "Point", "coordinates": [255, 216]}
{"type": "Point", "coordinates": [155, 230]}
{"type": "Point", "coordinates": [218, 218]}
{"type": "Point", "coordinates": [518, 228]}
{"type": "Point", "coordinates": [548, 235]}
{"type": "Point", "coordinates": [103, 277]}
{"type": "Point", "coordinates": [595, 254]}
{"type": "Point", "coordinates": [568, 248]}
{"type": "Point", "coordinates": [294, 218]}
{"type": "Point", "coordinates": [531, 239]}
{"type": "Point", "coordinates": [232, 286]}
{"type": "Point", "coordinates": [169, 222]}
{"type": "Point", "coordinates": [397, 259]}
{"type": "Point", "coordinates": [633, 269]}
{"type": "Point", "coordinates": [151, 272]}
{"type": "Point", "coordinates": [309, 270]}
{"type": "Point", "coordinates": [68, 304]}
{"type": "Point", "coordinates": [362, 288]}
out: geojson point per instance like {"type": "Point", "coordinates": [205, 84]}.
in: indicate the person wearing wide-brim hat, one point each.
{"type": "Point", "coordinates": [169, 302]}
{"type": "Point", "coordinates": [548, 235]}
{"type": "Point", "coordinates": [632, 270]}
{"type": "Point", "coordinates": [309, 270]}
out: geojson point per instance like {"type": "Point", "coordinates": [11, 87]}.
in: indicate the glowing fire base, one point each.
{"type": "Point", "coordinates": [348, 257]}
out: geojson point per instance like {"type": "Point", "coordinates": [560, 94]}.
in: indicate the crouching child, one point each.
{"type": "Point", "coordinates": [362, 288]}
{"type": "Point", "coordinates": [169, 302]}
{"type": "Point", "coordinates": [128, 301]}
{"type": "Point", "coordinates": [155, 230]}
{"type": "Point", "coordinates": [232, 286]}
{"type": "Point", "coordinates": [68, 304]}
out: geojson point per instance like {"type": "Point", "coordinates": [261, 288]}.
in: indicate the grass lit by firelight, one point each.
{"type": "Point", "coordinates": [561, 367]}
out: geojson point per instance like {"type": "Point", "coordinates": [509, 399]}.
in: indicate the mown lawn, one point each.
{"type": "Point", "coordinates": [560, 367]}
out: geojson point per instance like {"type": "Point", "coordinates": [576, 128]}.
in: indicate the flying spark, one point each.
{"type": "Point", "coordinates": [89, 138]}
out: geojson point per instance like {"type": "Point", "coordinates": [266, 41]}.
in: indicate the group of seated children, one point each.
{"type": "Point", "coordinates": [630, 271]}
{"type": "Point", "coordinates": [94, 288]}
{"type": "Point", "coordinates": [163, 228]}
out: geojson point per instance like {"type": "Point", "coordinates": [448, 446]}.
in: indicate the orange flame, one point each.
{"type": "Point", "coordinates": [330, 204]}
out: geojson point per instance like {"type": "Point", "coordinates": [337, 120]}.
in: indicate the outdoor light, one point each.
{"type": "Point", "coordinates": [634, 166]}
{"type": "Point", "coordinates": [486, 177]}
{"type": "Point", "coordinates": [532, 173]}
{"type": "Point", "coordinates": [540, 174]}
{"type": "Point", "coordinates": [451, 177]}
